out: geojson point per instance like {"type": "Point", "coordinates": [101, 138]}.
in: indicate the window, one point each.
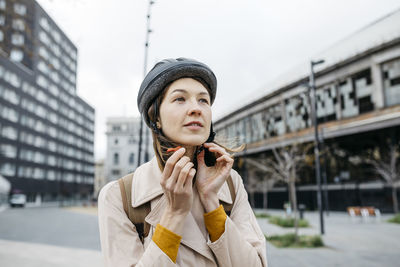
{"type": "Point", "coordinates": [8, 151]}
{"type": "Point", "coordinates": [116, 158]}
{"type": "Point", "coordinates": [42, 81]}
{"type": "Point", "coordinates": [38, 157]}
{"type": "Point", "coordinates": [1, 36]}
{"type": "Point", "coordinates": [18, 24]}
{"type": "Point", "coordinates": [17, 39]}
{"type": "Point", "coordinates": [2, 20]}
{"type": "Point", "coordinates": [9, 95]}
{"type": "Point", "coordinates": [7, 169]}
{"type": "Point", "coordinates": [51, 175]}
{"type": "Point", "coordinates": [51, 160]}
{"type": "Point", "coordinates": [20, 9]}
{"type": "Point", "coordinates": [44, 38]}
{"type": "Point", "coordinates": [43, 67]}
{"type": "Point", "coordinates": [42, 97]}
{"type": "Point", "coordinates": [38, 173]}
{"type": "Point", "coordinates": [43, 53]}
{"type": "Point", "coordinates": [40, 142]}
{"type": "Point", "coordinates": [131, 158]}
{"type": "Point", "coordinates": [8, 113]}
{"type": "Point", "coordinates": [116, 141]}
{"type": "Point", "coordinates": [3, 4]}
{"type": "Point", "coordinates": [12, 78]}
{"type": "Point", "coordinates": [56, 35]}
{"type": "Point", "coordinates": [9, 132]}
{"type": "Point", "coordinates": [44, 23]}
{"type": "Point", "coordinates": [16, 55]}
{"type": "Point", "coordinates": [40, 127]}
{"type": "Point", "coordinates": [25, 172]}
{"type": "Point", "coordinates": [391, 82]}
{"type": "Point", "coordinates": [115, 172]}
{"type": "Point", "coordinates": [53, 117]}
{"type": "Point", "coordinates": [41, 111]}
{"type": "Point", "coordinates": [52, 146]}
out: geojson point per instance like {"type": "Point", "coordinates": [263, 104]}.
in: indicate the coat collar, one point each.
{"type": "Point", "coordinates": [146, 185]}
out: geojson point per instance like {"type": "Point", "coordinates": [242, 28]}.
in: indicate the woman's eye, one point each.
{"type": "Point", "coordinates": [179, 99]}
{"type": "Point", "coordinates": [204, 100]}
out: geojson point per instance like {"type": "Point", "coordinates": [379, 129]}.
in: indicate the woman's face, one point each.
{"type": "Point", "coordinates": [185, 112]}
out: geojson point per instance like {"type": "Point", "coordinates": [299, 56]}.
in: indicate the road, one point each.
{"type": "Point", "coordinates": [61, 237]}
{"type": "Point", "coordinates": [48, 237]}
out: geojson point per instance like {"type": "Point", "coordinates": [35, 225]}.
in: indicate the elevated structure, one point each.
{"type": "Point", "coordinates": [358, 107]}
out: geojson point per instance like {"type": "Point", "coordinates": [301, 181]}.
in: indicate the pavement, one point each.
{"type": "Point", "coordinates": [49, 237]}
{"type": "Point", "coordinates": [348, 242]}
{"type": "Point", "coordinates": [21, 254]}
{"type": "Point", "coordinates": [356, 243]}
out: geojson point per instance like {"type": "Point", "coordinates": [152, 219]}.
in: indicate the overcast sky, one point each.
{"type": "Point", "coordinates": [246, 43]}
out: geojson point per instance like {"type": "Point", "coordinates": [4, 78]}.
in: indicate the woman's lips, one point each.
{"type": "Point", "coordinates": [193, 127]}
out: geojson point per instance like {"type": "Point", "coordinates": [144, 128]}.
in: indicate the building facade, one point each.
{"type": "Point", "coordinates": [46, 129]}
{"type": "Point", "coordinates": [122, 146]}
{"type": "Point", "coordinates": [99, 177]}
{"type": "Point", "coordinates": [358, 111]}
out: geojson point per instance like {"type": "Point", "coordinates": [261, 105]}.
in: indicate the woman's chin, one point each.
{"type": "Point", "coordinates": [193, 142]}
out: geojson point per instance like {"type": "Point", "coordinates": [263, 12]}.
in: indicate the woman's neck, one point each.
{"type": "Point", "coordinates": [190, 152]}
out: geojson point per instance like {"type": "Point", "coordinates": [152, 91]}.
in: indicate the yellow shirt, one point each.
{"type": "Point", "coordinates": [169, 242]}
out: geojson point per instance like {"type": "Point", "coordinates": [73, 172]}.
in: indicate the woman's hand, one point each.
{"type": "Point", "coordinates": [176, 182]}
{"type": "Point", "coordinates": [210, 179]}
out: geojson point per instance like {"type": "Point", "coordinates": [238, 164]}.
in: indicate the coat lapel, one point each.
{"type": "Point", "coordinates": [192, 236]}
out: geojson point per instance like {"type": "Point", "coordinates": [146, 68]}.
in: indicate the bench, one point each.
{"type": "Point", "coordinates": [363, 212]}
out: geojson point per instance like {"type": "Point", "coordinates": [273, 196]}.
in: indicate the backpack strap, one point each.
{"type": "Point", "coordinates": [136, 215]}
{"type": "Point", "coordinates": [228, 207]}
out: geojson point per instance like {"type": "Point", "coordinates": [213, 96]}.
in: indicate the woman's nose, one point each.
{"type": "Point", "coordinates": [194, 108]}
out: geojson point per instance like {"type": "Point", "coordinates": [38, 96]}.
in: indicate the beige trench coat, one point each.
{"type": "Point", "coordinates": [241, 245]}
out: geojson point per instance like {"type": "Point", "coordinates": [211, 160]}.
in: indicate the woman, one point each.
{"type": "Point", "coordinates": [184, 187]}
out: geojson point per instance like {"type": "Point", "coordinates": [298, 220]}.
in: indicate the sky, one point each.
{"type": "Point", "coordinates": [246, 43]}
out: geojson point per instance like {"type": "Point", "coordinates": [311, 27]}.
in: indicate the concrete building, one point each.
{"type": "Point", "coordinates": [122, 146]}
{"type": "Point", "coordinates": [99, 177]}
{"type": "Point", "coordinates": [358, 110]}
{"type": "Point", "coordinates": [46, 129]}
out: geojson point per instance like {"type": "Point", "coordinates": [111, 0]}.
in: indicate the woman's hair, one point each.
{"type": "Point", "coordinates": [161, 143]}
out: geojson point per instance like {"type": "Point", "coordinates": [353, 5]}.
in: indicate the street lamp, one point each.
{"type": "Point", "coordinates": [146, 48]}
{"type": "Point", "coordinates": [316, 147]}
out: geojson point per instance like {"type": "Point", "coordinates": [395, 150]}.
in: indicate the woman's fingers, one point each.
{"type": "Point", "coordinates": [189, 180]}
{"type": "Point", "coordinates": [215, 148]}
{"type": "Point", "coordinates": [183, 175]}
{"type": "Point", "coordinates": [175, 173]}
{"type": "Point", "coordinates": [170, 164]}
{"type": "Point", "coordinates": [226, 158]}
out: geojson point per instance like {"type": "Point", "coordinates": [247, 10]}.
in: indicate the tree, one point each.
{"type": "Point", "coordinates": [283, 167]}
{"type": "Point", "coordinates": [387, 166]}
{"type": "Point", "coordinates": [259, 181]}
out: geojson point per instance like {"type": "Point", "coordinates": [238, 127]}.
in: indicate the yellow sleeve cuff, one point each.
{"type": "Point", "coordinates": [167, 241]}
{"type": "Point", "coordinates": [215, 222]}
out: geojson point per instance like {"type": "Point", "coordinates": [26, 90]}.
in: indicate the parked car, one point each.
{"type": "Point", "coordinates": [18, 200]}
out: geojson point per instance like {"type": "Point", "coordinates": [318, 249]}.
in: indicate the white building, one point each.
{"type": "Point", "coordinates": [99, 177]}
{"type": "Point", "coordinates": [122, 146]}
